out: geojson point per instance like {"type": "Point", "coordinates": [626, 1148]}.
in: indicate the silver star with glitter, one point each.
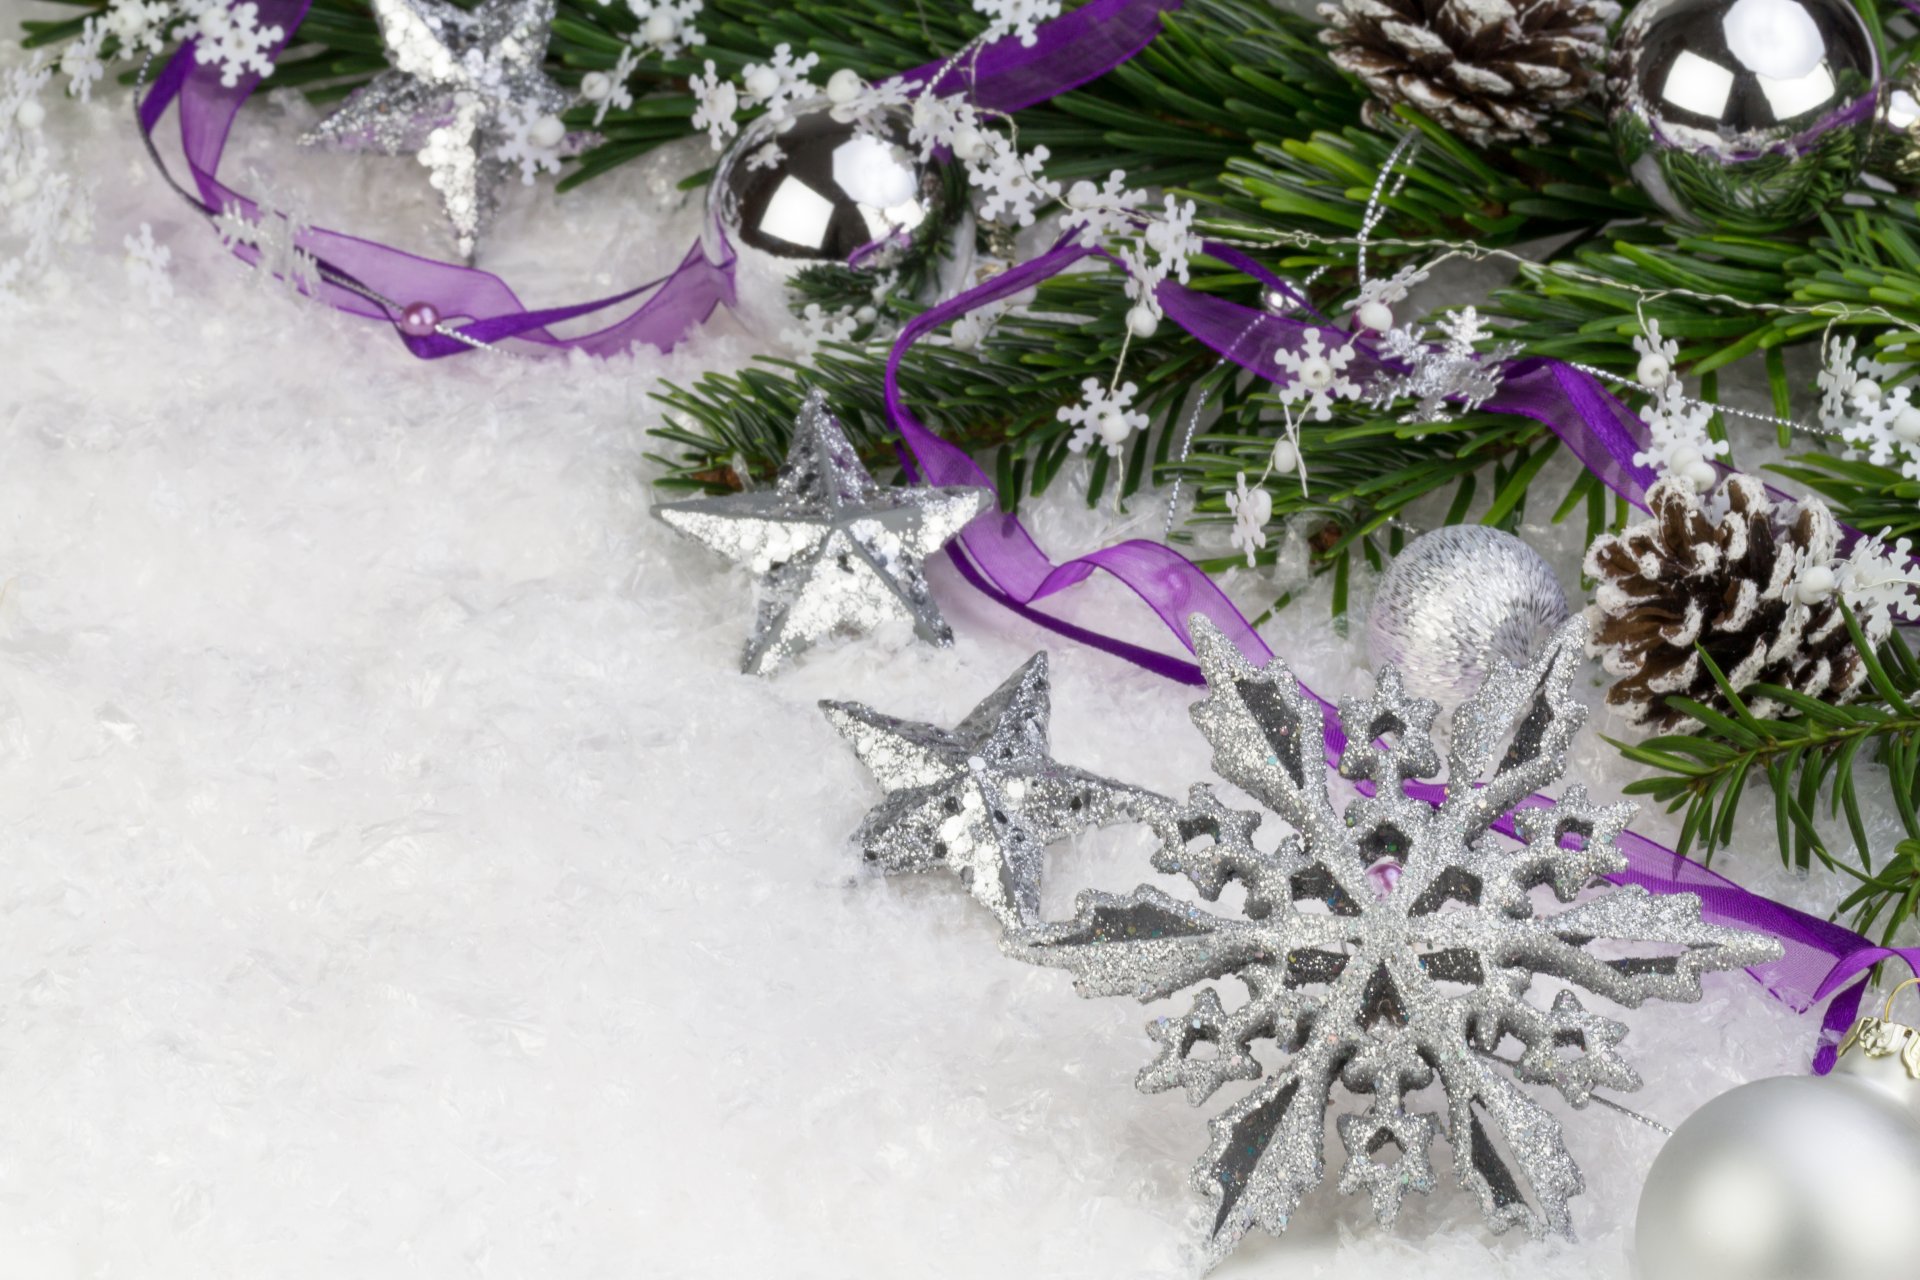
{"type": "Point", "coordinates": [464, 92]}
{"type": "Point", "coordinates": [836, 554]}
{"type": "Point", "coordinates": [983, 800]}
{"type": "Point", "coordinates": [1391, 945]}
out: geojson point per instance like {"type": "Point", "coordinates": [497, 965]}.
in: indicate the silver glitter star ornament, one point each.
{"type": "Point", "coordinates": [983, 799]}
{"type": "Point", "coordinates": [836, 554]}
{"type": "Point", "coordinates": [1391, 946]}
{"type": "Point", "coordinates": [466, 97]}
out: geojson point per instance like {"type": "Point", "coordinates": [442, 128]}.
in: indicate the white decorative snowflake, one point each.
{"type": "Point", "coordinates": [42, 204]}
{"type": "Point", "coordinates": [874, 99]}
{"type": "Point", "coordinates": [274, 236]}
{"type": "Point", "coordinates": [80, 61]}
{"type": "Point", "coordinates": [1105, 415]}
{"type": "Point", "coordinates": [1390, 289]}
{"type": "Point", "coordinates": [778, 83]}
{"type": "Point", "coordinates": [141, 26]}
{"type": "Point", "coordinates": [1678, 443]}
{"type": "Point", "coordinates": [232, 38]}
{"type": "Point", "coordinates": [1381, 985]}
{"type": "Point", "coordinates": [1876, 582]}
{"type": "Point", "coordinates": [1650, 344]}
{"type": "Point", "coordinates": [1101, 213]}
{"type": "Point", "coordinates": [1013, 183]}
{"type": "Point", "coordinates": [819, 327]}
{"type": "Point", "coordinates": [610, 91]}
{"type": "Point", "coordinates": [1841, 380]}
{"type": "Point", "coordinates": [147, 264]}
{"type": "Point", "coordinates": [1171, 237]}
{"type": "Point", "coordinates": [1016, 18]}
{"type": "Point", "coordinates": [1251, 510]}
{"type": "Point", "coordinates": [1880, 422]}
{"type": "Point", "coordinates": [716, 103]}
{"type": "Point", "coordinates": [1319, 374]}
{"type": "Point", "coordinates": [531, 139]}
{"type": "Point", "coordinates": [666, 26]}
{"type": "Point", "coordinates": [1439, 376]}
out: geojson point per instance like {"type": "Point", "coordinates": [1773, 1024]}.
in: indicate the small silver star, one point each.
{"type": "Point", "coordinates": [835, 552]}
{"type": "Point", "coordinates": [463, 93]}
{"type": "Point", "coordinates": [984, 799]}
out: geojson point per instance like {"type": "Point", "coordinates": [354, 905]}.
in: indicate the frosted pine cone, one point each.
{"type": "Point", "coordinates": [1488, 70]}
{"type": "Point", "coordinates": [1743, 588]}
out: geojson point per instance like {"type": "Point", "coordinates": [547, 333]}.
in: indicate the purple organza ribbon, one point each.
{"type": "Point", "coordinates": [996, 554]}
{"type": "Point", "coordinates": [1004, 76]}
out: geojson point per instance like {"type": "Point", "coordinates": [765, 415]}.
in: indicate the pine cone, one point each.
{"type": "Point", "coordinates": [1485, 69]}
{"type": "Point", "coordinates": [1681, 579]}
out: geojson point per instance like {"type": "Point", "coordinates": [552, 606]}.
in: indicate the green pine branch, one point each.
{"type": "Point", "coordinates": [1810, 759]}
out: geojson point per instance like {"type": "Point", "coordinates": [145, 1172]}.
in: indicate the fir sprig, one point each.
{"type": "Point", "coordinates": [1810, 759]}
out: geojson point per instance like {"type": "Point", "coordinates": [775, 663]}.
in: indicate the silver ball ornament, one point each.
{"type": "Point", "coordinates": [833, 187]}
{"type": "Point", "coordinates": [1796, 1178]}
{"type": "Point", "coordinates": [1452, 598]}
{"type": "Point", "coordinates": [1752, 115]}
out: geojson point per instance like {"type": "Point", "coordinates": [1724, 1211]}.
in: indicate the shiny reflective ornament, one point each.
{"type": "Point", "coordinates": [1896, 151]}
{"type": "Point", "coordinates": [1752, 115]}
{"type": "Point", "coordinates": [834, 188]}
{"type": "Point", "coordinates": [1797, 1178]}
{"type": "Point", "coordinates": [1453, 599]}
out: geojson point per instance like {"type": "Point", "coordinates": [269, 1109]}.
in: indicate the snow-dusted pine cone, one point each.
{"type": "Point", "coordinates": [1736, 587]}
{"type": "Point", "coordinates": [1488, 70]}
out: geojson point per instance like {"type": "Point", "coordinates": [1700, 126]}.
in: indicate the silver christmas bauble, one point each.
{"type": "Point", "coordinates": [1752, 115]}
{"type": "Point", "coordinates": [833, 188]}
{"type": "Point", "coordinates": [1798, 1178]}
{"type": "Point", "coordinates": [1455, 596]}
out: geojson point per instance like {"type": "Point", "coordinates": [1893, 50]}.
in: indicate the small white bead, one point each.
{"type": "Point", "coordinates": [596, 86]}
{"type": "Point", "coordinates": [1316, 373]}
{"type": "Point", "coordinates": [1866, 392]}
{"type": "Point", "coordinates": [866, 315]}
{"type": "Point", "coordinates": [1286, 458]}
{"type": "Point", "coordinates": [844, 85]}
{"type": "Point", "coordinates": [30, 114]}
{"type": "Point", "coordinates": [1701, 475]}
{"type": "Point", "coordinates": [1377, 316]}
{"type": "Point", "coordinates": [547, 131]}
{"type": "Point", "coordinates": [1082, 194]}
{"type": "Point", "coordinates": [969, 143]}
{"type": "Point", "coordinates": [1142, 322]}
{"type": "Point", "coordinates": [1906, 425]}
{"type": "Point", "coordinates": [1654, 371]}
{"type": "Point", "coordinates": [1684, 457]}
{"type": "Point", "coordinates": [1815, 585]}
{"type": "Point", "coordinates": [662, 26]}
{"type": "Point", "coordinates": [763, 82]}
{"type": "Point", "coordinates": [1114, 427]}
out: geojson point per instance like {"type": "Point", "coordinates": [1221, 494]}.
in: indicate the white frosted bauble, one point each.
{"type": "Point", "coordinates": [1377, 316]}
{"type": "Point", "coordinates": [1142, 322]}
{"type": "Point", "coordinates": [1654, 371]}
{"type": "Point", "coordinates": [844, 85]}
{"type": "Point", "coordinates": [1114, 428]}
{"type": "Point", "coordinates": [596, 86]}
{"type": "Point", "coordinates": [1799, 1178]}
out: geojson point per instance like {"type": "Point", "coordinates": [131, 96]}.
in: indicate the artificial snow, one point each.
{"type": "Point", "coordinates": [398, 878]}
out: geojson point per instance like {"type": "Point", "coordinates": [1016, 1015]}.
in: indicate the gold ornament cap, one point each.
{"type": "Point", "coordinates": [1885, 1053]}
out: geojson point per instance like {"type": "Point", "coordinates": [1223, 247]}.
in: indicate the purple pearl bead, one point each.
{"type": "Point", "coordinates": [419, 320]}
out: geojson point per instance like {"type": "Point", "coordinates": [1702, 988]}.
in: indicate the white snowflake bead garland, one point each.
{"type": "Point", "coordinates": [1876, 417]}
{"type": "Point", "coordinates": [1018, 18]}
{"type": "Point", "coordinates": [1678, 443]}
{"type": "Point", "coordinates": [43, 205]}
{"type": "Point", "coordinates": [1657, 356]}
{"type": "Point", "coordinates": [1353, 994]}
{"type": "Point", "coordinates": [1105, 414]}
{"type": "Point", "coordinates": [1318, 374]}
{"type": "Point", "coordinates": [1251, 509]}
{"type": "Point", "coordinates": [716, 103]}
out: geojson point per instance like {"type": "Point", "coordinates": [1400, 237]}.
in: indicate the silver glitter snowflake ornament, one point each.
{"type": "Point", "coordinates": [1444, 375]}
{"type": "Point", "coordinates": [835, 553]}
{"type": "Point", "coordinates": [983, 799]}
{"type": "Point", "coordinates": [1391, 947]}
{"type": "Point", "coordinates": [466, 97]}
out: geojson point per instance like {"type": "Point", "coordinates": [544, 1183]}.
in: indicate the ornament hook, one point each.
{"type": "Point", "coordinates": [1886, 1012]}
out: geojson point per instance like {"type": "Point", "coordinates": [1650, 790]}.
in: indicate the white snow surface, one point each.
{"type": "Point", "coordinates": [398, 878]}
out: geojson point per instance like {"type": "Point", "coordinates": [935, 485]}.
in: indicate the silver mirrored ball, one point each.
{"type": "Point", "coordinates": [833, 189]}
{"type": "Point", "coordinates": [1452, 598]}
{"type": "Point", "coordinates": [1749, 115]}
